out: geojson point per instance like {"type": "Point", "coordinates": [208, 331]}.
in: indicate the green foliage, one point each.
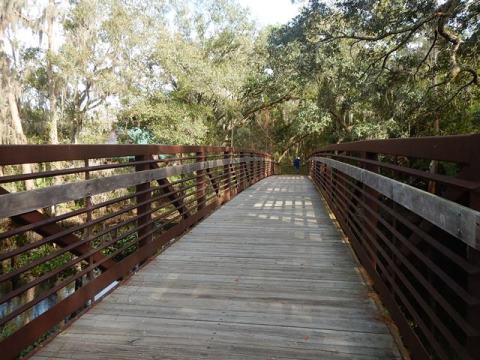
{"type": "Point", "coordinates": [199, 72]}
{"type": "Point", "coordinates": [374, 68]}
{"type": "Point", "coordinates": [39, 253]}
{"type": "Point", "coordinates": [139, 136]}
{"type": "Point", "coordinates": [163, 123]}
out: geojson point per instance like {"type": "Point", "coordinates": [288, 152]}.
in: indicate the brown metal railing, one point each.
{"type": "Point", "coordinates": [88, 216]}
{"type": "Point", "coordinates": [410, 210]}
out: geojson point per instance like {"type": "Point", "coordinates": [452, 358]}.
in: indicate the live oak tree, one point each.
{"type": "Point", "coordinates": [201, 71]}
{"type": "Point", "coordinates": [389, 68]}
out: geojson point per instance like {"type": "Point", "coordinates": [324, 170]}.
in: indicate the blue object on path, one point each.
{"type": "Point", "coordinates": [296, 164]}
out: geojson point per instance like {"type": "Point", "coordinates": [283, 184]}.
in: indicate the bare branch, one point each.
{"type": "Point", "coordinates": [385, 35]}
{"type": "Point", "coordinates": [459, 90]}
{"type": "Point", "coordinates": [428, 52]}
{"type": "Point", "coordinates": [281, 99]}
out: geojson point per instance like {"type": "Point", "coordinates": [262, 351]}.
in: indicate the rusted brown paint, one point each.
{"type": "Point", "coordinates": [226, 183]}
{"type": "Point", "coordinates": [22, 154]}
{"type": "Point", "coordinates": [418, 269]}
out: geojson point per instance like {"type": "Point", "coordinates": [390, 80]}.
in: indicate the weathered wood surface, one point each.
{"type": "Point", "coordinates": [267, 276]}
{"type": "Point", "coordinates": [458, 220]}
{"type": "Point", "coordinates": [25, 201]}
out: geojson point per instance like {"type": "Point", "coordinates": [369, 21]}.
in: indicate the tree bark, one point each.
{"type": "Point", "coordinates": [52, 95]}
{"type": "Point", "coordinates": [9, 88]}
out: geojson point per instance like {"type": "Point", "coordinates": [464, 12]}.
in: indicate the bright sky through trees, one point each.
{"type": "Point", "coordinates": [271, 12]}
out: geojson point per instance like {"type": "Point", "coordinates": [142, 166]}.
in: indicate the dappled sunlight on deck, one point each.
{"type": "Point", "coordinates": [266, 276]}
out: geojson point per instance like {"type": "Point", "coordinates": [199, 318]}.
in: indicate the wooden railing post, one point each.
{"type": "Point", "coordinates": [143, 211]}
{"type": "Point", "coordinates": [201, 183]}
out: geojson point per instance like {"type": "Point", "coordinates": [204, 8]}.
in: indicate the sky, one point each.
{"type": "Point", "coordinates": [270, 12]}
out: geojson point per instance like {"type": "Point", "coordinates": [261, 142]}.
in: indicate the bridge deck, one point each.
{"type": "Point", "coordinates": [267, 276]}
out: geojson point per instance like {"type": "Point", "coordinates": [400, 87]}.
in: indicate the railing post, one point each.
{"type": "Point", "coordinates": [473, 312]}
{"type": "Point", "coordinates": [143, 211]}
{"type": "Point", "coordinates": [370, 203]}
{"type": "Point", "coordinates": [235, 171]}
{"type": "Point", "coordinates": [265, 166]}
{"type": "Point", "coordinates": [260, 167]}
{"type": "Point", "coordinates": [227, 174]}
{"type": "Point", "coordinates": [201, 183]}
{"type": "Point", "coordinates": [473, 256]}
{"type": "Point", "coordinates": [255, 167]}
{"type": "Point", "coordinates": [243, 172]}
{"type": "Point", "coordinates": [88, 230]}
{"type": "Point", "coordinates": [314, 169]}
{"type": "Point", "coordinates": [252, 169]}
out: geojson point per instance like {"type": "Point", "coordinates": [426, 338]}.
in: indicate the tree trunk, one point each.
{"type": "Point", "coordinates": [19, 134]}
{"type": "Point", "coordinates": [8, 86]}
{"type": "Point", "coordinates": [52, 96]}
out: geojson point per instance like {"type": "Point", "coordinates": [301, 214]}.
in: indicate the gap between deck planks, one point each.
{"type": "Point", "coordinates": [267, 276]}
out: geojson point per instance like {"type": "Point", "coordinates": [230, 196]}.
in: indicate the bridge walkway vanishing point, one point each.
{"type": "Point", "coordinates": [267, 276]}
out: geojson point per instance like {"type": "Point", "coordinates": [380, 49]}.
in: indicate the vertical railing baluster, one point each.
{"type": "Point", "coordinates": [370, 203]}
{"type": "Point", "coordinates": [143, 211]}
{"type": "Point", "coordinates": [252, 169]}
{"type": "Point", "coordinates": [88, 206]}
{"type": "Point", "coordinates": [473, 257]}
{"type": "Point", "coordinates": [242, 171]}
{"type": "Point", "coordinates": [227, 175]}
{"type": "Point", "coordinates": [200, 182]}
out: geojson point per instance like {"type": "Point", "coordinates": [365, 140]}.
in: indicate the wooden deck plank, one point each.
{"type": "Point", "coordinates": [267, 276]}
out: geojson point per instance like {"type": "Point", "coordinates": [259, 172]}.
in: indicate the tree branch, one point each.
{"type": "Point", "coordinates": [283, 98]}
{"type": "Point", "coordinates": [403, 30]}
{"type": "Point", "coordinates": [428, 52]}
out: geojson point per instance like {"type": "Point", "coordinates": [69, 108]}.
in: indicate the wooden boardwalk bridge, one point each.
{"type": "Point", "coordinates": [186, 252]}
{"type": "Point", "coordinates": [267, 276]}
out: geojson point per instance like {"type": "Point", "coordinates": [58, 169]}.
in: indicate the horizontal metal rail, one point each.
{"type": "Point", "coordinates": [458, 220]}
{"type": "Point", "coordinates": [410, 208]}
{"type": "Point", "coordinates": [30, 154]}
{"type": "Point", "coordinates": [25, 201]}
{"type": "Point", "coordinates": [88, 216]}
